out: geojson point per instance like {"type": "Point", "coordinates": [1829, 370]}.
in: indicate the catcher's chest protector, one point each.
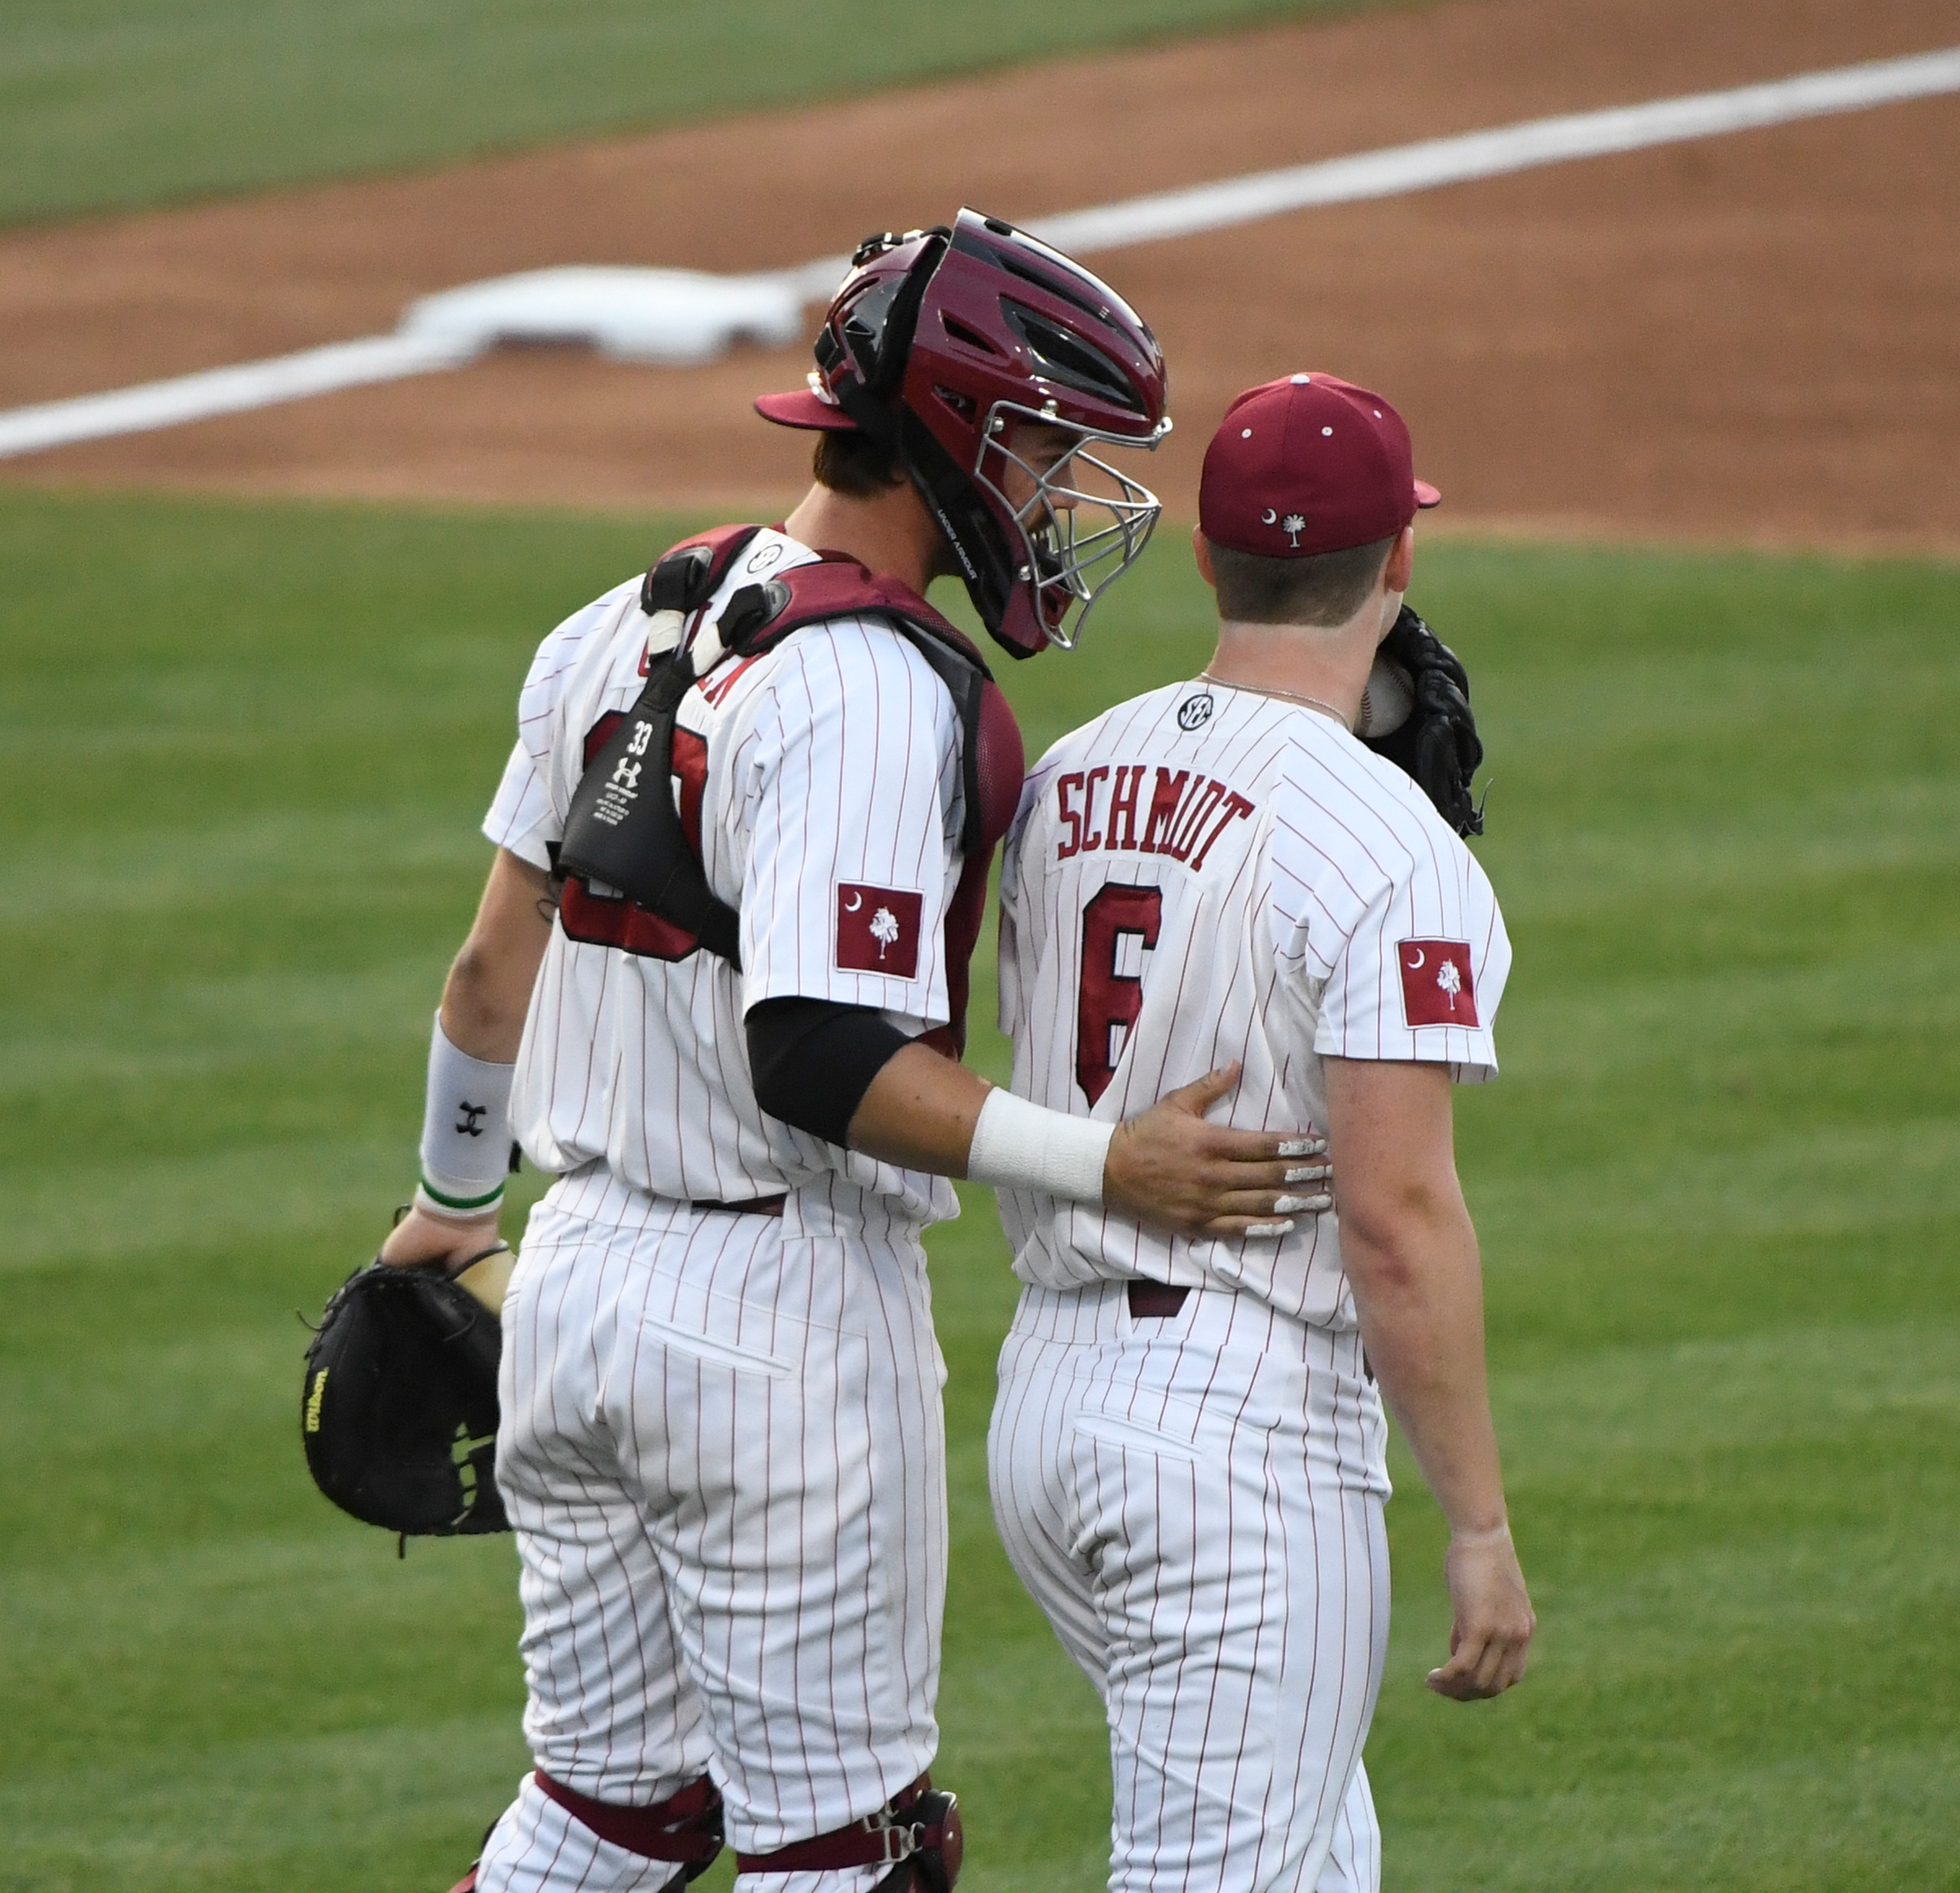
{"type": "Point", "coordinates": [623, 832]}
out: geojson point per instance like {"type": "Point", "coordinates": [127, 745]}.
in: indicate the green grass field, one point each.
{"type": "Point", "coordinates": [111, 104]}
{"type": "Point", "coordinates": [242, 754]}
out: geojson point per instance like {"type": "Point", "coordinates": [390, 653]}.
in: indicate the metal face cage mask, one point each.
{"type": "Point", "coordinates": [1081, 523]}
{"type": "Point", "coordinates": [949, 345]}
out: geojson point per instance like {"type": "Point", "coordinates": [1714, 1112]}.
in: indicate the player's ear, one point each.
{"type": "Point", "coordinates": [1201, 550]}
{"type": "Point", "coordinates": [1401, 561]}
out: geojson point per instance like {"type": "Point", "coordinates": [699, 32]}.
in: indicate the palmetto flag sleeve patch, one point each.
{"type": "Point", "coordinates": [877, 929]}
{"type": "Point", "coordinates": [1436, 985]}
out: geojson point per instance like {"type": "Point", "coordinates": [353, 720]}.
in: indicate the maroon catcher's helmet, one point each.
{"type": "Point", "coordinates": [940, 343]}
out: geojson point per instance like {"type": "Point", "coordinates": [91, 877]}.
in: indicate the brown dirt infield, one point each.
{"type": "Point", "coordinates": [1749, 339]}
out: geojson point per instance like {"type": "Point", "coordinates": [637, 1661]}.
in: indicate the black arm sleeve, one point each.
{"type": "Point", "coordinates": [812, 1060]}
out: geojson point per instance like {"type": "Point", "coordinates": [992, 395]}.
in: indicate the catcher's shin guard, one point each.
{"type": "Point", "coordinates": [684, 1828]}
{"type": "Point", "coordinates": [918, 1831]}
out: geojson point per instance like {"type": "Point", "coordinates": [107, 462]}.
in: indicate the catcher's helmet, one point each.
{"type": "Point", "coordinates": [938, 343]}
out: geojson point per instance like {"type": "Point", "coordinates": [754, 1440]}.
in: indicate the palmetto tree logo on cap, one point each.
{"type": "Point", "coordinates": [1293, 525]}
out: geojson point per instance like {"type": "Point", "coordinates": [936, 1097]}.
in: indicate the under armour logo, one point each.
{"type": "Point", "coordinates": [471, 1123]}
{"type": "Point", "coordinates": [627, 775]}
{"type": "Point", "coordinates": [1195, 712]}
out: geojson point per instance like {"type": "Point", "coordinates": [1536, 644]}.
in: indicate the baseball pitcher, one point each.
{"type": "Point", "coordinates": [1188, 1448]}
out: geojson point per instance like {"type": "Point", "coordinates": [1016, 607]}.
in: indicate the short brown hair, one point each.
{"type": "Point", "coordinates": [849, 461]}
{"type": "Point", "coordinates": [1325, 589]}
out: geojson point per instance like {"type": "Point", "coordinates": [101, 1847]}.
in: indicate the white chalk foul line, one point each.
{"type": "Point", "coordinates": [1180, 213]}
{"type": "Point", "coordinates": [1494, 154]}
{"type": "Point", "coordinates": [222, 391]}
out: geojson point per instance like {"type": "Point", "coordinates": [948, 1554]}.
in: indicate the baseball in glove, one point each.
{"type": "Point", "coordinates": [1434, 739]}
{"type": "Point", "coordinates": [399, 1412]}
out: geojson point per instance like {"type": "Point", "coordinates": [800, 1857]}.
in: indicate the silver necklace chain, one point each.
{"type": "Point", "coordinates": [1267, 690]}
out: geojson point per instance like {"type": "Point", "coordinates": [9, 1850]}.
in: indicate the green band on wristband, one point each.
{"type": "Point", "coordinates": [462, 1202]}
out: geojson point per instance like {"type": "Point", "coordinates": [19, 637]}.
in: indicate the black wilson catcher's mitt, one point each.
{"type": "Point", "coordinates": [399, 1416]}
{"type": "Point", "coordinates": [1437, 742]}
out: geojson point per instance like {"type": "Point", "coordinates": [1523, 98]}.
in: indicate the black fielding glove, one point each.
{"type": "Point", "coordinates": [398, 1410]}
{"type": "Point", "coordinates": [1437, 744]}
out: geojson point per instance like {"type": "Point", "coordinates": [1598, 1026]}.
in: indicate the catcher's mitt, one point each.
{"type": "Point", "coordinates": [399, 1416]}
{"type": "Point", "coordinates": [1437, 742]}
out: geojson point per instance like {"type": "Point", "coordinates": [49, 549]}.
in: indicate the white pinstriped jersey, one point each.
{"type": "Point", "coordinates": [1206, 874]}
{"type": "Point", "coordinates": [823, 781]}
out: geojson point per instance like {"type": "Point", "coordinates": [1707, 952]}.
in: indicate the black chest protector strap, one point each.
{"type": "Point", "coordinates": [623, 832]}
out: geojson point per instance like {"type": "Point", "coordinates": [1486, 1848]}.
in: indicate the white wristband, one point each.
{"type": "Point", "coordinates": [465, 1132]}
{"type": "Point", "coordinates": [1027, 1146]}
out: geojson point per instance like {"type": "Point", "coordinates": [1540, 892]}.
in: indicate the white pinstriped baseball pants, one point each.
{"type": "Point", "coordinates": [1197, 1503]}
{"type": "Point", "coordinates": [723, 1452]}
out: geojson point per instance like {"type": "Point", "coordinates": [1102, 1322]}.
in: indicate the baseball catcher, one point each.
{"type": "Point", "coordinates": [717, 986]}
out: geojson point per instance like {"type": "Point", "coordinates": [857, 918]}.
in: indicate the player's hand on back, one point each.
{"type": "Point", "coordinates": [422, 1238]}
{"type": "Point", "coordinates": [1494, 1622]}
{"type": "Point", "coordinates": [1171, 1167]}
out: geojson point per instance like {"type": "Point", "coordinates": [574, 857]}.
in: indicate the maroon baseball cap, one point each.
{"type": "Point", "coordinates": [1308, 463]}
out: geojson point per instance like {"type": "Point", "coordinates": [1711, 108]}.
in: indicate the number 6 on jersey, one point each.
{"type": "Point", "coordinates": [1112, 997]}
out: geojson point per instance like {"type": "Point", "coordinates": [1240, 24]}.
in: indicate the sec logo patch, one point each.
{"type": "Point", "coordinates": [1436, 986]}
{"type": "Point", "coordinates": [877, 929]}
